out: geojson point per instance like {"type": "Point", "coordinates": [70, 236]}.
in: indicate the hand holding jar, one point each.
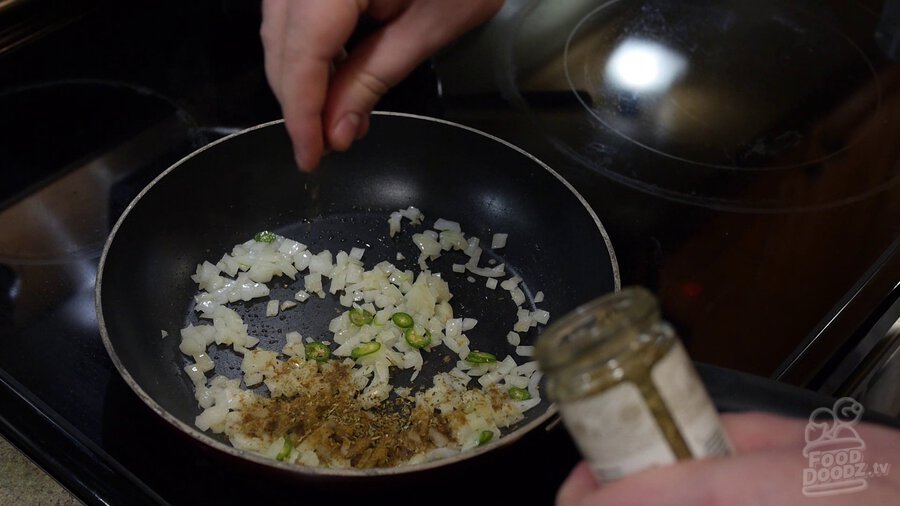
{"type": "Point", "coordinates": [766, 468]}
{"type": "Point", "coordinates": [629, 395]}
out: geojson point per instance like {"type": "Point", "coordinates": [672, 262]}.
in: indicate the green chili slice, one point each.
{"type": "Point", "coordinates": [320, 352]}
{"type": "Point", "coordinates": [480, 357]}
{"type": "Point", "coordinates": [417, 340]}
{"type": "Point", "coordinates": [365, 349]}
{"type": "Point", "coordinates": [285, 450]}
{"type": "Point", "coordinates": [485, 437]}
{"type": "Point", "coordinates": [360, 317]}
{"type": "Point", "coordinates": [264, 236]}
{"type": "Point", "coordinates": [402, 320]}
{"type": "Point", "coordinates": [519, 394]}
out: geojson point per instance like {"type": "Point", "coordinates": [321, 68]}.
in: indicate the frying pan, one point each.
{"type": "Point", "coordinates": [224, 193]}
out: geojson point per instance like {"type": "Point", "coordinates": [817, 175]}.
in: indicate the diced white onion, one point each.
{"type": "Point", "coordinates": [383, 291]}
{"type": "Point", "coordinates": [540, 316]}
{"type": "Point", "coordinates": [518, 296]}
{"type": "Point", "coordinates": [313, 283]}
{"type": "Point", "coordinates": [524, 351]}
{"type": "Point", "coordinates": [427, 245]}
{"type": "Point", "coordinates": [412, 214]}
{"type": "Point", "coordinates": [511, 283]}
{"type": "Point", "coordinates": [527, 369]}
{"type": "Point", "coordinates": [394, 223]}
{"type": "Point", "coordinates": [442, 224]}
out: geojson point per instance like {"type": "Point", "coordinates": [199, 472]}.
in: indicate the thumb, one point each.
{"type": "Point", "coordinates": [387, 56]}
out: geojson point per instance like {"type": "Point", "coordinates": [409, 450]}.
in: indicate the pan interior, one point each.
{"type": "Point", "coordinates": [493, 308]}
{"type": "Point", "coordinates": [225, 193]}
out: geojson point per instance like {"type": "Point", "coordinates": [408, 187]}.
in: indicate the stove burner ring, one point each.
{"type": "Point", "coordinates": [641, 71]}
{"type": "Point", "coordinates": [770, 137]}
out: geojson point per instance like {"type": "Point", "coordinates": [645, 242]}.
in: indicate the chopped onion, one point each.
{"type": "Point", "coordinates": [313, 283]}
{"type": "Point", "coordinates": [442, 224]}
{"type": "Point", "coordinates": [507, 365]}
{"type": "Point", "coordinates": [490, 272]}
{"type": "Point", "coordinates": [427, 245]}
{"type": "Point", "coordinates": [527, 369]}
{"type": "Point", "coordinates": [321, 264]}
{"type": "Point", "coordinates": [382, 292]}
{"type": "Point", "coordinates": [413, 215]}
{"type": "Point", "coordinates": [521, 326]}
{"type": "Point", "coordinates": [291, 247]}
{"type": "Point", "coordinates": [511, 283]}
{"type": "Point", "coordinates": [524, 351]}
{"type": "Point", "coordinates": [518, 296]}
{"type": "Point", "coordinates": [394, 223]}
{"type": "Point", "coordinates": [516, 381]}
{"type": "Point", "coordinates": [451, 239]}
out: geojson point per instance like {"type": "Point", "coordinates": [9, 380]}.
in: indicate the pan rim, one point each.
{"type": "Point", "coordinates": [322, 472]}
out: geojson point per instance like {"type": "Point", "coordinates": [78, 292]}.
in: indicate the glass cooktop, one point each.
{"type": "Point", "coordinates": [742, 157]}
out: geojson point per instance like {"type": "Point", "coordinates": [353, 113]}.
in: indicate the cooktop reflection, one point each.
{"type": "Point", "coordinates": [730, 105]}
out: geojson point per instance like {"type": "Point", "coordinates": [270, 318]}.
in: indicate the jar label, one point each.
{"type": "Point", "coordinates": [616, 431]}
{"type": "Point", "coordinates": [683, 392]}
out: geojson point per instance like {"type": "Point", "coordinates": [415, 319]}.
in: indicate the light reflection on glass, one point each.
{"type": "Point", "coordinates": [644, 66]}
{"type": "Point", "coordinates": [81, 309]}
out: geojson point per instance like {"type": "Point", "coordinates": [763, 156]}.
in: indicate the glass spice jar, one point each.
{"type": "Point", "coordinates": [626, 389]}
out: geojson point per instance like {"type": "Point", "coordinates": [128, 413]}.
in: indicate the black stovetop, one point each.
{"type": "Point", "coordinates": [756, 239]}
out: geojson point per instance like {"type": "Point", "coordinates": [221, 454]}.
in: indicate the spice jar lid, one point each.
{"type": "Point", "coordinates": [595, 328]}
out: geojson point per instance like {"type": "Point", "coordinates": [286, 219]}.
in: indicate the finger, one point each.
{"type": "Point", "coordinates": [579, 485]}
{"type": "Point", "coordinates": [385, 10]}
{"type": "Point", "coordinates": [315, 35]}
{"type": "Point", "coordinates": [387, 56]}
{"type": "Point", "coordinates": [364, 128]}
{"type": "Point", "coordinates": [271, 32]}
{"type": "Point", "coordinates": [751, 432]}
{"type": "Point", "coordinates": [758, 433]}
{"type": "Point", "coordinates": [771, 477]}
